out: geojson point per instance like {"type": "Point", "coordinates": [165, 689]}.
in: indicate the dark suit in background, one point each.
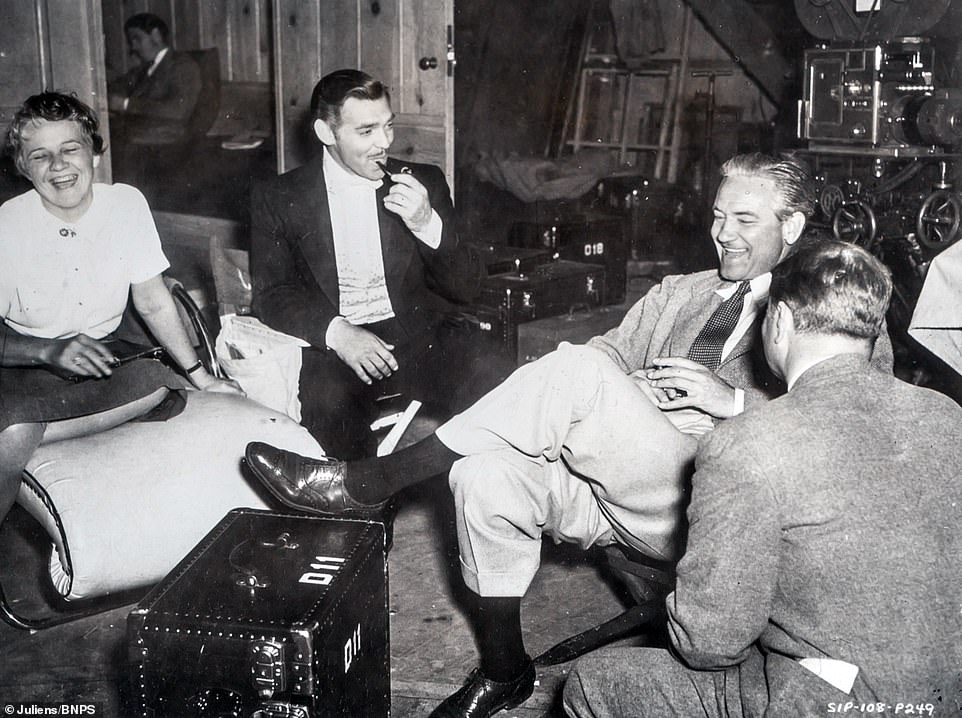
{"type": "Point", "coordinates": [160, 104]}
{"type": "Point", "coordinates": [295, 290]}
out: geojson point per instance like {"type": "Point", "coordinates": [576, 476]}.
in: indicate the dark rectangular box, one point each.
{"type": "Point", "coordinates": [591, 239]}
{"type": "Point", "coordinates": [270, 615]}
{"type": "Point", "coordinates": [501, 258]}
{"type": "Point", "coordinates": [508, 300]}
{"type": "Point", "coordinates": [651, 211]}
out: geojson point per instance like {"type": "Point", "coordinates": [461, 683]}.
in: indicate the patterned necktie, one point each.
{"type": "Point", "coordinates": [708, 345]}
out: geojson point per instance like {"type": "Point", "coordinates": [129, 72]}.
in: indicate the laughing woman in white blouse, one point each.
{"type": "Point", "coordinates": [71, 253]}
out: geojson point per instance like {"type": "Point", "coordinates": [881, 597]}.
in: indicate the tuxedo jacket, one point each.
{"type": "Point", "coordinates": [160, 105]}
{"type": "Point", "coordinates": [294, 272]}
{"type": "Point", "coordinates": [667, 319]}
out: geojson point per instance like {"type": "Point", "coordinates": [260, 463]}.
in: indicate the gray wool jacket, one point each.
{"type": "Point", "coordinates": [826, 524]}
{"type": "Point", "coordinates": [667, 319]}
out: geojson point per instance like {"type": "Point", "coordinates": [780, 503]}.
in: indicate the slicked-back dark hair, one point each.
{"type": "Point", "coordinates": [52, 107]}
{"type": "Point", "coordinates": [147, 22]}
{"type": "Point", "coordinates": [833, 287]}
{"type": "Point", "coordinates": [334, 88]}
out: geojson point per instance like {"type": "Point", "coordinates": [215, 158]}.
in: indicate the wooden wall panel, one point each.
{"type": "Point", "coordinates": [214, 18]}
{"type": "Point", "coordinates": [188, 24]}
{"type": "Point", "coordinates": [424, 33]}
{"type": "Point", "coordinates": [340, 39]}
{"type": "Point", "coordinates": [54, 45]}
{"type": "Point", "coordinates": [297, 47]}
{"type": "Point", "coordinates": [250, 43]}
{"type": "Point", "coordinates": [24, 61]}
{"type": "Point", "coordinates": [422, 141]}
{"type": "Point", "coordinates": [311, 38]}
{"type": "Point", "coordinates": [116, 53]}
{"type": "Point", "coordinates": [379, 30]}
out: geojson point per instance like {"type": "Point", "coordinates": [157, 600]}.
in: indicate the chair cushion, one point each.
{"type": "Point", "coordinates": [124, 506]}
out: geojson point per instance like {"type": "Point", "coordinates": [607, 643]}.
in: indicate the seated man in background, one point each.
{"type": "Point", "coordinates": [823, 561]}
{"type": "Point", "coordinates": [589, 444]}
{"type": "Point", "coordinates": [358, 255]}
{"type": "Point", "coordinates": [156, 99]}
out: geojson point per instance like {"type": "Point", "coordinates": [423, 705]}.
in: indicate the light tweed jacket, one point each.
{"type": "Point", "coordinates": [667, 319]}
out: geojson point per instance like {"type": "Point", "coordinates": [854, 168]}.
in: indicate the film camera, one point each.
{"type": "Point", "coordinates": [884, 129]}
{"type": "Point", "coordinates": [879, 97]}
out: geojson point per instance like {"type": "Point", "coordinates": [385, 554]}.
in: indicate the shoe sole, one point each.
{"type": "Point", "coordinates": [514, 701]}
{"type": "Point", "coordinates": [521, 699]}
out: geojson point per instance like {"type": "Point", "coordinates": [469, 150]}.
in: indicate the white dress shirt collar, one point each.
{"type": "Point", "coordinates": [337, 176]}
{"type": "Point", "coordinates": [157, 58]}
{"type": "Point", "coordinates": [758, 287]}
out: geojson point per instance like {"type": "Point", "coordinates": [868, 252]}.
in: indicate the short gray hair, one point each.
{"type": "Point", "coordinates": [791, 176]}
{"type": "Point", "coordinates": [833, 287]}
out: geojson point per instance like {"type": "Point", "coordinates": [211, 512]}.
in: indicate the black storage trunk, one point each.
{"type": "Point", "coordinates": [270, 615]}
{"type": "Point", "coordinates": [510, 299]}
{"type": "Point", "coordinates": [651, 209]}
{"type": "Point", "coordinates": [590, 238]}
{"type": "Point", "coordinates": [501, 258]}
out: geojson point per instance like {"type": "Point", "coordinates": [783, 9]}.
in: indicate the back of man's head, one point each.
{"type": "Point", "coordinates": [336, 87]}
{"type": "Point", "coordinates": [833, 288]}
{"type": "Point", "coordinates": [791, 175]}
{"type": "Point", "coordinates": [147, 23]}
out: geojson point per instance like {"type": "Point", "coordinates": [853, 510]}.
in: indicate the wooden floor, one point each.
{"type": "Point", "coordinates": [432, 647]}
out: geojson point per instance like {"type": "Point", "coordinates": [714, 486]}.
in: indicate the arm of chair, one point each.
{"type": "Point", "coordinates": [195, 319]}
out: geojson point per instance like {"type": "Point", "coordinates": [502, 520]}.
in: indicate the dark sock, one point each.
{"type": "Point", "coordinates": [498, 631]}
{"type": "Point", "coordinates": [373, 480]}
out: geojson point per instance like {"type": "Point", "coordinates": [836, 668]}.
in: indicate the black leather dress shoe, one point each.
{"type": "Point", "coordinates": [314, 486]}
{"type": "Point", "coordinates": [481, 697]}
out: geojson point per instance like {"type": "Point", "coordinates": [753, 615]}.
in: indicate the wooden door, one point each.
{"type": "Point", "coordinates": [408, 44]}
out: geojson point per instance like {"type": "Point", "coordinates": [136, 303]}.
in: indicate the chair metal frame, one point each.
{"type": "Point", "coordinates": [648, 582]}
{"type": "Point", "coordinates": [100, 604]}
{"type": "Point", "coordinates": [87, 607]}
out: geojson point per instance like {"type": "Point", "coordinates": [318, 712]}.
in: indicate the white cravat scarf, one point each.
{"type": "Point", "coordinates": [357, 245]}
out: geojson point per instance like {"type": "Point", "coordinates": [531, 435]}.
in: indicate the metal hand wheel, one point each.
{"type": "Point", "coordinates": [855, 222]}
{"type": "Point", "coordinates": [939, 219]}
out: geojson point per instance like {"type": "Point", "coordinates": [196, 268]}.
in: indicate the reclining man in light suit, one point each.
{"type": "Point", "coordinates": [823, 561]}
{"type": "Point", "coordinates": [590, 444]}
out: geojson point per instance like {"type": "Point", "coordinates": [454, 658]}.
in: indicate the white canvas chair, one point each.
{"type": "Point", "coordinates": [122, 507]}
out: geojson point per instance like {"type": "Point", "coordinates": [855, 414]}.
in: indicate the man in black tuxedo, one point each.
{"type": "Point", "coordinates": [155, 100]}
{"type": "Point", "coordinates": [365, 265]}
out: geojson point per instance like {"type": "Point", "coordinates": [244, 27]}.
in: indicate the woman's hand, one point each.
{"type": "Point", "coordinates": [205, 382]}
{"type": "Point", "coordinates": [79, 355]}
